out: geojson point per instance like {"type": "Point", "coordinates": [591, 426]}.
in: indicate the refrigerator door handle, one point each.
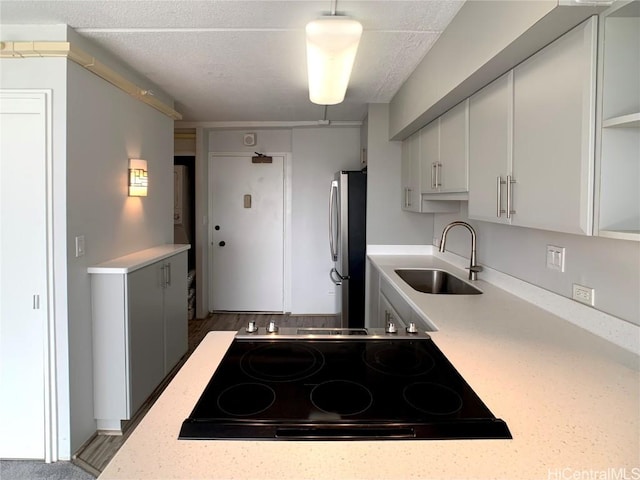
{"type": "Point", "coordinates": [334, 273]}
{"type": "Point", "coordinates": [333, 200]}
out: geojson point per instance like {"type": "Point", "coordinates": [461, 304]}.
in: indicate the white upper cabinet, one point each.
{"type": "Point", "coordinates": [444, 151]}
{"type": "Point", "coordinates": [554, 134]}
{"type": "Point", "coordinates": [413, 168]}
{"type": "Point", "coordinates": [454, 149]}
{"type": "Point", "coordinates": [411, 174]}
{"type": "Point", "coordinates": [618, 172]}
{"type": "Point", "coordinates": [430, 156]}
{"type": "Point", "coordinates": [490, 149]}
{"type": "Point", "coordinates": [532, 139]}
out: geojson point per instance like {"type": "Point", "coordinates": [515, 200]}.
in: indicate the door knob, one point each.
{"type": "Point", "coordinates": [222, 244]}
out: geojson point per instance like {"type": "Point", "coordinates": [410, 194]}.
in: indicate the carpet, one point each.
{"type": "Point", "coordinates": [38, 470]}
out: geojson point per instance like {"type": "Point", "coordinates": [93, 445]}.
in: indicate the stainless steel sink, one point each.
{"type": "Point", "coordinates": [435, 281]}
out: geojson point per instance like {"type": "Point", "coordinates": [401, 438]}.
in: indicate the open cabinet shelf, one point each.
{"type": "Point", "coordinates": [618, 205]}
{"type": "Point", "coordinates": [631, 120]}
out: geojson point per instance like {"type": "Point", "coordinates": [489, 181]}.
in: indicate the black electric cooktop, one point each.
{"type": "Point", "coordinates": [338, 385]}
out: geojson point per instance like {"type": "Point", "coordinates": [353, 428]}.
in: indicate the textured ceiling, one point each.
{"type": "Point", "coordinates": [244, 60]}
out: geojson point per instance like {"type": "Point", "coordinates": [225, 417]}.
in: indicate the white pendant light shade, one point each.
{"type": "Point", "coordinates": [332, 43]}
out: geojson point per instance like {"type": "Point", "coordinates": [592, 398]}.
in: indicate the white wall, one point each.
{"type": "Point", "coordinates": [387, 223]}
{"type": "Point", "coordinates": [609, 266]}
{"type": "Point", "coordinates": [27, 74]}
{"type": "Point", "coordinates": [317, 153]}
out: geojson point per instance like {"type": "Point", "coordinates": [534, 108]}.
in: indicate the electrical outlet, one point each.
{"type": "Point", "coordinates": [436, 241]}
{"type": "Point", "coordinates": [555, 258]}
{"type": "Point", "coordinates": [584, 294]}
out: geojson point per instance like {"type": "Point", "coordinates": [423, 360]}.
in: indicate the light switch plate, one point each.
{"type": "Point", "coordinates": [555, 258]}
{"type": "Point", "coordinates": [79, 246]}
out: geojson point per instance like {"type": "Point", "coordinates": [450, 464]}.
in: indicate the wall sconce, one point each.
{"type": "Point", "coordinates": [138, 178]}
{"type": "Point", "coordinates": [332, 43]}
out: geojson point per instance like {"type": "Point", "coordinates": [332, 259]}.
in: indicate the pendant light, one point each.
{"type": "Point", "coordinates": [332, 43]}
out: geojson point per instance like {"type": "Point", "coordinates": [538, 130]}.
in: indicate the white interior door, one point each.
{"type": "Point", "coordinates": [23, 276]}
{"type": "Point", "coordinates": [246, 239]}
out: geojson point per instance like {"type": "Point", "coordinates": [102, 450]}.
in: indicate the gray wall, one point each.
{"type": "Point", "coordinates": [96, 128]}
{"type": "Point", "coordinates": [387, 223]}
{"type": "Point", "coordinates": [612, 267]}
{"type": "Point", "coordinates": [317, 153]}
{"type": "Point", "coordinates": [106, 127]}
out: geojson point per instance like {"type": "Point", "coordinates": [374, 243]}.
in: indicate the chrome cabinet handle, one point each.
{"type": "Point", "coordinates": [332, 201]}
{"type": "Point", "coordinates": [438, 174]}
{"type": "Point", "coordinates": [510, 182]}
{"type": "Point", "coordinates": [168, 272]}
{"type": "Point", "coordinates": [434, 175]}
{"type": "Point", "coordinates": [409, 197]}
{"type": "Point", "coordinates": [499, 183]}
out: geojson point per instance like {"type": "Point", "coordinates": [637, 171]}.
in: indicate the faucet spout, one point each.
{"type": "Point", "coordinates": [473, 267]}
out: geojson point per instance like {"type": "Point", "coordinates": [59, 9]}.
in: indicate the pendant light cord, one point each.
{"type": "Point", "coordinates": [334, 6]}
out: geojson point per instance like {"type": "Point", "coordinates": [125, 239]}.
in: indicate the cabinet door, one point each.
{"type": "Point", "coordinates": [430, 157]}
{"type": "Point", "coordinates": [388, 313]}
{"type": "Point", "coordinates": [490, 137]}
{"type": "Point", "coordinates": [411, 174]}
{"type": "Point", "coordinates": [371, 318]}
{"type": "Point", "coordinates": [145, 333]}
{"type": "Point", "coordinates": [175, 310]}
{"type": "Point", "coordinates": [553, 140]}
{"type": "Point", "coordinates": [453, 170]}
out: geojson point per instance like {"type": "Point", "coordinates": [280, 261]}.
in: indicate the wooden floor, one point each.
{"type": "Point", "coordinates": [94, 455]}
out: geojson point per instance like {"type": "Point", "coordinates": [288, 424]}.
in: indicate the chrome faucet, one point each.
{"type": "Point", "coordinates": [473, 268]}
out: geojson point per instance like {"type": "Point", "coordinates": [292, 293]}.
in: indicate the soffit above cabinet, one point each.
{"type": "Point", "coordinates": [469, 55]}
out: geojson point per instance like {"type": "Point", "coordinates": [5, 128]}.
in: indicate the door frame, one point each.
{"type": "Point", "coordinates": [287, 208]}
{"type": "Point", "coordinates": [50, 378]}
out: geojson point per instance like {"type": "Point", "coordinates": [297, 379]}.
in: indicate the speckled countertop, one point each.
{"type": "Point", "coordinates": [570, 398]}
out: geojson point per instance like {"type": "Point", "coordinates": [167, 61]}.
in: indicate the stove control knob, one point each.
{"type": "Point", "coordinates": [252, 327]}
{"type": "Point", "coordinates": [391, 328]}
{"type": "Point", "coordinates": [412, 328]}
{"type": "Point", "coordinates": [272, 327]}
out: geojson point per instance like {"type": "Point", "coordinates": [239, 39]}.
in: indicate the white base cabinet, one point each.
{"type": "Point", "coordinates": [140, 328]}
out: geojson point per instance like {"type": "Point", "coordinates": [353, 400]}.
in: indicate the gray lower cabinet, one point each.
{"type": "Point", "coordinates": [387, 304]}
{"type": "Point", "coordinates": [139, 307]}
{"type": "Point", "coordinates": [388, 314]}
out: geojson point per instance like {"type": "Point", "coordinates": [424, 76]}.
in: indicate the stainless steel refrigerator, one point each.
{"type": "Point", "coordinates": [347, 243]}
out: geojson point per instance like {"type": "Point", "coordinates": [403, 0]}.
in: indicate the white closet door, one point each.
{"type": "Point", "coordinates": [23, 276]}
